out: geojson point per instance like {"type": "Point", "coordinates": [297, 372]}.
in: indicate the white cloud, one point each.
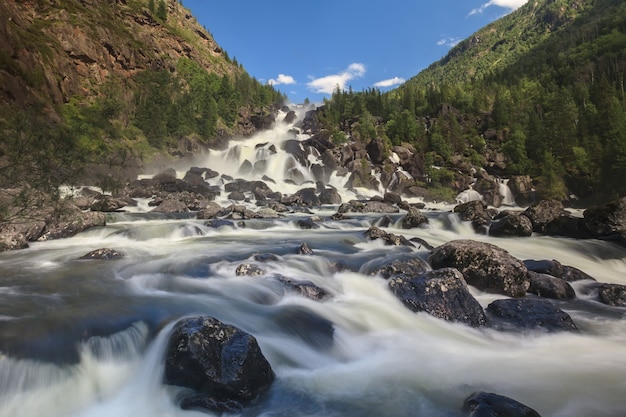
{"type": "Point", "coordinates": [507, 4]}
{"type": "Point", "coordinates": [282, 79]}
{"type": "Point", "coordinates": [329, 83]}
{"type": "Point", "coordinates": [390, 82]}
{"type": "Point", "coordinates": [448, 41]}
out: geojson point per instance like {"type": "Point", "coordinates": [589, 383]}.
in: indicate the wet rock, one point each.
{"type": "Point", "coordinates": [171, 206]}
{"type": "Point", "coordinates": [305, 288]}
{"type": "Point", "coordinates": [485, 266]}
{"type": "Point", "coordinates": [544, 212]}
{"type": "Point", "coordinates": [442, 293]}
{"type": "Point", "coordinates": [221, 364]}
{"type": "Point", "coordinates": [267, 213]}
{"type": "Point", "coordinates": [376, 151]}
{"type": "Point", "coordinates": [103, 253]}
{"type": "Point", "coordinates": [308, 197]}
{"type": "Point", "coordinates": [409, 267]}
{"type": "Point", "coordinates": [608, 220]}
{"type": "Point", "coordinates": [236, 196]}
{"type": "Point", "coordinates": [304, 249]}
{"type": "Point", "coordinates": [330, 196]}
{"type": "Point", "coordinates": [218, 223]}
{"type": "Point", "coordinates": [211, 211]}
{"type": "Point", "coordinates": [529, 314]}
{"type": "Point", "coordinates": [476, 212]}
{"type": "Point", "coordinates": [544, 266]}
{"type": "Point", "coordinates": [566, 225]}
{"type": "Point", "coordinates": [392, 198]}
{"type": "Point", "coordinates": [389, 238]}
{"type": "Point", "coordinates": [511, 225]}
{"type": "Point", "coordinates": [108, 204]}
{"type": "Point", "coordinates": [522, 188]}
{"type": "Point", "coordinates": [414, 218]}
{"type": "Point", "coordinates": [266, 257]}
{"type": "Point", "coordinates": [486, 404]}
{"type": "Point", "coordinates": [571, 274]}
{"type": "Point", "coordinates": [547, 286]}
{"type": "Point", "coordinates": [250, 270]}
{"type": "Point", "coordinates": [70, 224]}
{"type": "Point", "coordinates": [609, 294]}
{"type": "Point", "coordinates": [308, 224]}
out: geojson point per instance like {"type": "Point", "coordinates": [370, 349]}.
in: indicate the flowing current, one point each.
{"type": "Point", "coordinates": [87, 338]}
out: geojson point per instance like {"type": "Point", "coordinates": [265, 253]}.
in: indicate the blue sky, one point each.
{"type": "Point", "coordinates": [305, 49]}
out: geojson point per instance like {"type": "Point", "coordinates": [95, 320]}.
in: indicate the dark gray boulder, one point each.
{"type": "Point", "coordinates": [511, 225]}
{"type": "Point", "coordinates": [414, 218]}
{"type": "Point", "coordinates": [304, 288]}
{"type": "Point", "coordinates": [529, 314]}
{"type": "Point", "coordinates": [389, 238]}
{"type": "Point", "coordinates": [441, 293]}
{"type": "Point", "coordinates": [487, 404]}
{"type": "Point", "coordinates": [103, 253]}
{"type": "Point", "coordinates": [547, 286]}
{"type": "Point", "coordinates": [476, 212]}
{"type": "Point", "coordinates": [410, 267]}
{"type": "Point", "coordinates": [330, 196]}
{"type": "Point", "coordinates": [571, 274]}
{"type": "Point", "coordinates": [608, 220]}
{"type": "Point", "coordinates": [545, 266]}
{"type": "Point", "coordinates": [250, 270]}
{"type": "Point", "coordinates": [609, 294]}
{"type": "Point", "coordinates": [544, 212]}
{"type": "Point", "coordinates": [221, 364]}
{"type": "Point", "coordinates": [485, 266]}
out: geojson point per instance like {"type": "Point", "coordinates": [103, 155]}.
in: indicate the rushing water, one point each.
{"type": "Point", "coordinates": [86, 338]}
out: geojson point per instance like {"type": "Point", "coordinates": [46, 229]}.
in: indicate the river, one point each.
{"type": "Point", "coordinates": [86, 338]}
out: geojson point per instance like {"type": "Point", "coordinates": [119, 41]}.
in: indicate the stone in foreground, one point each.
{"type": "Point", "coordinates": [487, 404]}
{"type": "Point", "coordinates": [223, 365]}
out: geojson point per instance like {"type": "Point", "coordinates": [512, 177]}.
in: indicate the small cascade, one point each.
{"type": "Point", "coordinates": [508, 199]}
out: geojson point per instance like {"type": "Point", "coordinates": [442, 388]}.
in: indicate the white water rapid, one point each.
{"type": "Point", "coordinates": [87, 338]}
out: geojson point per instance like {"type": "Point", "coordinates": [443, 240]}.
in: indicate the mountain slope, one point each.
{"type": "Point", "coordinates": [503, 42]}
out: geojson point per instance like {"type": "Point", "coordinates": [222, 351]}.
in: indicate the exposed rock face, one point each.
{"type": "Point", "coordinates": [485, 266]}
{"type": "Point", "coordinates": [529, 314]}
{"type": "Point", "coordinates": [487, 404]}
{"type": "Point", "coordinates": [223, 365]}
{"type": "Point", "coordinates": [82, 53]}
{"type": "Point", "coordinates": [442, 293]}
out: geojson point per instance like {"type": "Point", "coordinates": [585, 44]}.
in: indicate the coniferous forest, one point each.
{"type": "Point", "coordinates": [541, 90]}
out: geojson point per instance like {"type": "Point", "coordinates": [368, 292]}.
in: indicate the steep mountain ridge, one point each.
{"type": "Point", "coordinates": [52, 51]}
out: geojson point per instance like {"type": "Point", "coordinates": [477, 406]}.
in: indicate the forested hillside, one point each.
{"type": "Point", "coordinates": [101, 84]}
{"type": "Point", "coordinates": [539, 92]}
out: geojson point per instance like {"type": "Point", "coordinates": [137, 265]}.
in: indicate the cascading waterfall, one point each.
{"type": "Point", "coordinates": [87, 338]}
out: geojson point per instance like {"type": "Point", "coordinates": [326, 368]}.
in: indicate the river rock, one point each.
{"type": "Point", "coordinates": [544, 266]}
{"type": "Point", "coordinates": [609, 294]}
{"type": "Point", "coordinates": [441, 293]}
{"type": "Point", "coordinates": [330, 196]}
{"type": "Point", "coordinates": [414, 218]}
{"type": "Point", "coordinates": [529, 314]}
{"type": "Point", "coordinates": [305, 288]}
{"type": "Point", "coordinates": [211, 211]}
{"type": "Point", "coordinates": [389, 238]}
{"type": "Point", "coordinates": [511, 225]}
{"type": "Point", "coordinates": [543, 212]}
{"type": "Point", "coordinates": [304, 249]}
{"type": "Point", "coordinates": [547, 286]}
{"type": "Point", "coordinates": [70, 223]}
{"type": "Point", "coordinates": [103, 253]}
{"type": "Point", "coordinates": [522, 188]}
{"type": "Point", "coordinates": [108, 204]}
{"type": "Point", "coordinates": [250, 270]}
{"type": "Point", "coordinates": [171, 206]}
{"type": "Point", "coordinates": [485, 266]}
{"type": "Point", "coordinates": [476, 212]}
{"type": "Point", "coordinates": [222, 364]}
{"type": "Point", "coordinates": [487, 404]}
{"type": "Point", "coordinates": [571, 274]}
{"type": "Point", "coordinates": [608, 220]}
{"type": "Point", "coordinates": [411, 267]}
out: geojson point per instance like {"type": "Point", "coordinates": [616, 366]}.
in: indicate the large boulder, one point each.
{"type": "Point", "coordinates": [609, 294]}
{"type": "Point", "coordinates": [485, 266]}
{"type": "Point", "coordinates": [487, 404]}
{"type": "Point", "coordinates": [548, 286]}
{"type": "Point", "coordinates": [222, 365]}
{"type": "Point", "coordinates": [529, 314]}
{"type": "Point", "coordinates": [442, 293]}
{"type": "Point", "coordinates": [522, 188]}
{"type": "Point", "coordinates": [390, 239]}
{"type": "Point", "coordinates": [414, 218]}
{"type": "Point", "coordinates": [476, 212]}
{"type": "Point", "coordinates": [511, 225]}
{"type": "Point", "coordinates": [608, 220]}
{"type": "Point", "coordinates": [544, 212]}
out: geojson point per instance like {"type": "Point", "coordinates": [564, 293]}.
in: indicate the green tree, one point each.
{"type": "Point", "coordinates": [162, 11]}
{"type": "Point", "coordinates": [151, 5]}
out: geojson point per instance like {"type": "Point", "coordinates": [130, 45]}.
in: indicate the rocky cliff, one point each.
{"type": "Point", "coordinates": [54, 50]}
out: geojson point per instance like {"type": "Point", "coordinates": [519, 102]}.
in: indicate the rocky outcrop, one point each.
{"type": "Point", "coordinates": [544, 212]}
{"type": "Point", "coordinates": [485, 266]}
{"type": "Point", "coordinates": [487, 404]}
{"type": "Point", "coordinates": [442, 293]}
{"type": "Point", "coordinates": [511, 225]}
{"type": "Point", "coordinates": [222, 365]}
{"type": "Point", "coordinates": [529, 314]}
{"type": "Point", "coordinates": [414, 218]}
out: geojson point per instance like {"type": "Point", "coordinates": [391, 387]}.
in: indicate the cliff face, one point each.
{"type": "Point", "coordinates": [54, 50]}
